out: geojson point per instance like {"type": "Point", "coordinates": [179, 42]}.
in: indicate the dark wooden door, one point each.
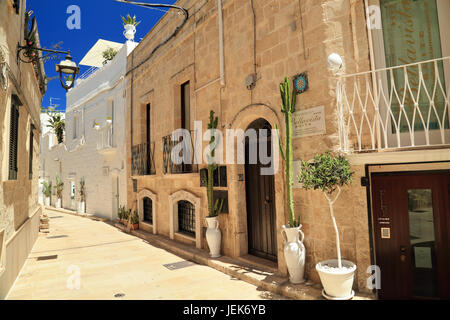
{"type": "Point", "coordinates": [260, 196]}
{"type": "Point", "coordinates": [411, 214]}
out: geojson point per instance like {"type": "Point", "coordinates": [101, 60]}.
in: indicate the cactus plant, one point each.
{"type": "Point", "coordinates": [288, 108]}
{"type": "Point", "coordinates": [214, 208]}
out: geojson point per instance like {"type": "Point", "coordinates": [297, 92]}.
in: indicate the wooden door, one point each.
{"type": "Point", "coordinates": [260, 196]}
{"type": "Point", "coordinates": [411, 232]}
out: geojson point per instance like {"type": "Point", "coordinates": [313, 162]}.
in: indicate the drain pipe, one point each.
{"type": "Point", "coordinates": [221, 50]}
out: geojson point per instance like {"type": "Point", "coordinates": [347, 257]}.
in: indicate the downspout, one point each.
{"type": "Point", "coordinates": [221, 50]}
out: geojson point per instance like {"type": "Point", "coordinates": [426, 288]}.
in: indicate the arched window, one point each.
{"type": "Point", "coordinates": [186, 217]}
{"type": "Point", "coordinates": [148, 210]}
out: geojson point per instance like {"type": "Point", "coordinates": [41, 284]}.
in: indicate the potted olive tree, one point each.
{"type": "Point", "coordinates": [328, 173]}
{"type": "Point", "coordinates": [213, 234]}
{"type": "Point", "coordinates": [59, 189]}
{"type": "Point", "coordinates": [47, 192]}
{"type": "Point", "coordinates": [294, 250]}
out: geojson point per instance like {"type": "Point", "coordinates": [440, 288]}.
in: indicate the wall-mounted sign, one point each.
{"type": "Point", "coordinates": [301, 83]}
{"type": "Point", "coordinates": [309, 122]}
{"type": "Point", "coordinates": [385, 233]}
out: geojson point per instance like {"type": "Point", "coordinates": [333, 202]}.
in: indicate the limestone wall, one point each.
{"type": "Point", "coordinates": [289, 40]}
{"type": "Point", "coordinates": [18, 198]}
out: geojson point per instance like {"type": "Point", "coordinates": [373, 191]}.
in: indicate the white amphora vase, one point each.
{"type": "Point", "coordinates": [47, 201]}
{"type": "Point", "coordinates": [294, 253]}
{"type": "Point", "coordinates": [213, 236]}
{"type": "Point", "coordinates": [130, 31]}
{"type": "Point", "coordinates": [58, 203]}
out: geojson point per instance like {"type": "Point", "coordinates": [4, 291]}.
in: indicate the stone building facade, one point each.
{"type": "Point", "coordinates": [22, 86]}
{"type": "Point", "coordinates": [238, 76]}
{"type": "Point", "coordinates": [94, 142]}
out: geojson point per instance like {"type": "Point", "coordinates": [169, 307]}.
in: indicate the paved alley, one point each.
{"type": "Point", "coordinates": [86, 259]}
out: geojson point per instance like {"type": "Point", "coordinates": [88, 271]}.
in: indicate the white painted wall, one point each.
{"type": "Point", "coordinates": [88, 103]}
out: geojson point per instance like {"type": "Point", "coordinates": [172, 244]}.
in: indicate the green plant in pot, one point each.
{"type": "Point", "coordinates": [59, 186]}
{"type": "Point", "coordinates": [125, 215]}
{"type": "Point", "coordinates": [57, 123]}
{"type": "Point", "coordinates": [328, 173]}
{"type": "Point", "coordinates": [294, 250]}
{"type": "Point", "coordinates": [134, 220]}
{"type": "Point", "coordinates": [213, 234]}
{"type": "Point", "coordinates": [130, 24]}
{"type": "Point", "coordinates": [47, 192]}
{"type": "Point", "coordinates": [82, 193]}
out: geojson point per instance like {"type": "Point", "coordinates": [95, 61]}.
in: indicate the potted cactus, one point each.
{"type": "Point", "coordinates": [47, 191]}
{"type": "Point", "coordinates": [59, 189]}
{"type": "Point", "coordinates": [328, 173]}
{"type": "Point", "coordinates": [213, 234]}
{"type": "Point", "coordinates": [294, 250]}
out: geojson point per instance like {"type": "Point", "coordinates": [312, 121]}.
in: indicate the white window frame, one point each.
{"type": "Point", "coordinates": [378, 61]}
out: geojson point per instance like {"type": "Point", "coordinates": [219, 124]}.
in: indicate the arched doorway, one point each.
{"type": "Point", "coordinates": [260, 195]}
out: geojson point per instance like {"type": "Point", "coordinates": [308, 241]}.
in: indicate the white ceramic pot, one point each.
{"type": "Point", "coordinates": [130, 31]}
{"type": "Point", "coordinates": [294, 253]}
{"type": "Point", "coordinates": [47, 201]}
{"type": "Point", "coordinates": [81, 207]}
{"type": "Point", "coordinates": [213, 236]}
{"type": "Point", "coordinates": [58, 203]}
{"type": "Point", "coordinates": [337, 283]}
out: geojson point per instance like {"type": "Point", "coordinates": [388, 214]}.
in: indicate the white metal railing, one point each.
{"type": "Point", "coordinates": [89, 72]}
{"type": "Point", "coordinates": [105, 138]}
{"type": "Point", "coordinates": [399, 107]}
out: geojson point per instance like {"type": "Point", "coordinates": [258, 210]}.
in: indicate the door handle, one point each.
{"type": "Point", "coordinates": [403, 253]}
{"type": "Point", "coordinates": [267, 200]}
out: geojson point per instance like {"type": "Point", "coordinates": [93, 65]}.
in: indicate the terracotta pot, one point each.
{"type": "Point", "coordinates": [135, 226]}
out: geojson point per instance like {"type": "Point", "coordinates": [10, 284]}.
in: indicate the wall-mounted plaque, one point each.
{"type": "Point", "coordinates": [309, 122]}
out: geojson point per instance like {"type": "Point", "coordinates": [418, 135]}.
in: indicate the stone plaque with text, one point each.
{"type": "Point", "coordinates": [309, 122]}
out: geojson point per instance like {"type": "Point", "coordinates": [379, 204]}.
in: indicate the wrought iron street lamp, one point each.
{"type": "Point", "coordinates": [67, 68]}
{"type": "Point", "coordinates": [28, 54]}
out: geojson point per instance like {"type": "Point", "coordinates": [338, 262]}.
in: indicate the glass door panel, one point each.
{"type": "Point", "coordinates": [423, 243]}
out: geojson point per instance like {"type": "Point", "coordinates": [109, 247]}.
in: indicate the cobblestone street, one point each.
{"type": "Point", "coordinates": [110, 262]}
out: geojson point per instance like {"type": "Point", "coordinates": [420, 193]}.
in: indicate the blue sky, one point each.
{"type": "Point", "coordinates": [100, 19]}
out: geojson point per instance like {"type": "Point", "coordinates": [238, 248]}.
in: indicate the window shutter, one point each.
{"type": "Point", "coordinates": [30, 165]}
{"type": "Point", "coordinates": [13, 141]}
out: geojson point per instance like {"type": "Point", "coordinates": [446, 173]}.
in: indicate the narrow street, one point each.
{"type": "Point", "coordinates": [110, 262]}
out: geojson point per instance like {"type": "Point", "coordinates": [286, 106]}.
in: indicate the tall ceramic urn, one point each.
{"type": "Point", "coordinates": [294, 253]}
{"type": "Point", "coordinates": [213, 236]}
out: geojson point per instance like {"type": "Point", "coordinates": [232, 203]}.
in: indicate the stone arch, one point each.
{"type": "Point", "coordinates": [173, 214]}
{"type": "Point", "coordinates": [243, 120]}
{"type": "Point", "coordinates": [145, 193]}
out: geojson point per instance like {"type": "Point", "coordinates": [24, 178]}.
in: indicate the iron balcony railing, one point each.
{"type": "Point", "coordinates": [142, 160]}
{"type": "Point", "coordinates": [399, 107]}
{"type": "Point", "coordinates": [186, 153]}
